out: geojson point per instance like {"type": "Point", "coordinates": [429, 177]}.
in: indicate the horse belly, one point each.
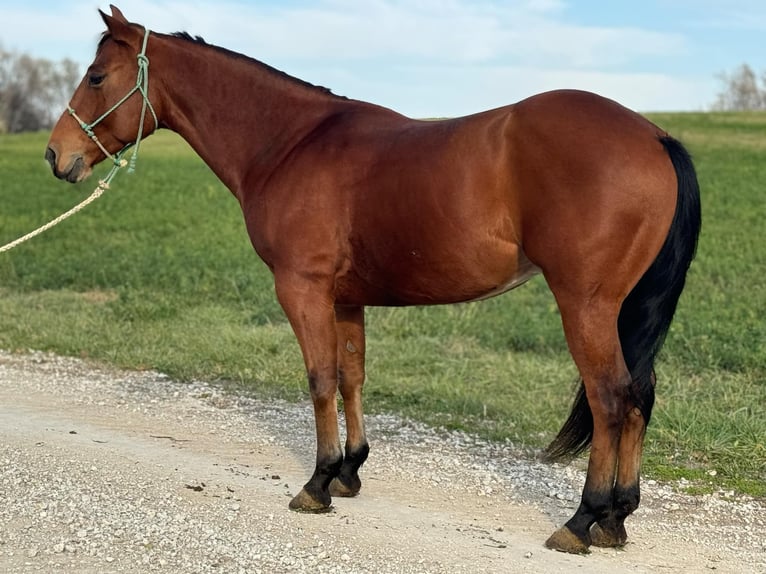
{"type": "Point", "coordinates": [420, 277]}
{"type": "Point", "coordinates": [519, 278]}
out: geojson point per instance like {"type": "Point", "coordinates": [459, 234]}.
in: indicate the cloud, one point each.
{"type": "Point", "coordinates": [46, 31]}
{"type": "Point", "coordinates": [435, 31]}
{"type": "Point", "coordinates": [522, 32]}
{"type": "Point", "coordinates": [443, 91]}
{"type": "Point", "coordinates": [448, 56]}
{"type": "Point", "coordinates": [730, 15]}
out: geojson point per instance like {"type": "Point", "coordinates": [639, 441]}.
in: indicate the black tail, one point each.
{"type": "Point", "coordinates": [648, 310]}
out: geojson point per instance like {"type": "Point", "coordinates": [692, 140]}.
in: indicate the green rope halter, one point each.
{"type": "Point", "coordinates": [142, 87]}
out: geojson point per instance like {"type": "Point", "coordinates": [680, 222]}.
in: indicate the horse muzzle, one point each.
{"type": "Point", "coordinates": [75, 170]}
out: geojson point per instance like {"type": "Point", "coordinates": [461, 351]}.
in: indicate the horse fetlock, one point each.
{"type": "Point", "coordinates": [626, 500]}
{"type": "Point", "coordinates": [348, 483]}
{"type": "Point", "coordinates": [596, 504]}
{"type": "Point", "coordinates": [315, 495]}
{"type": "Point", "coordinates": [326, 470]}
{"type": "Point", "coordinates": [355, 457]}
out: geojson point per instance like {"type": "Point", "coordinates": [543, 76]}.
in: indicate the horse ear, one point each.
{"type": "Point", "coordinates": [116, 13]}
{"type": "Point", "coordinates": [118, 26]}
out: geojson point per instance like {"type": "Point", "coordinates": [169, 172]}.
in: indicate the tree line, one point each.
{"type": "Point", "coordinates": [33, 91]}
{"type": "Point", "coordinates": [743, 90]}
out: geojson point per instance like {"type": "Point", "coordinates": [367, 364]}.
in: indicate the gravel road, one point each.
{"type": "Point", "coordinates": [106, 471]}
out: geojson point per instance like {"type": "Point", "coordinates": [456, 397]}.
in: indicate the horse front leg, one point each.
{"type": "Point", "coordinates": [351, 348]}
{"type": "Point", "coordinates": [309, 308]}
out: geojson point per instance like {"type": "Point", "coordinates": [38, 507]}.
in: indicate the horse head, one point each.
{"type": "Point", "coordinates": [107, 113]}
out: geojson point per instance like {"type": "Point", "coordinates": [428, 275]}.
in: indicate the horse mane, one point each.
{"type": "Point", "coordinates": [199, 40]}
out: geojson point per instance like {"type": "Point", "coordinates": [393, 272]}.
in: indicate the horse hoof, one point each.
{"type": "Point", "coordinates": [564, 540]}
{"type": "Point", "coordinates": [304, 502]}
{"type": "Point", "coordinates": [337, 488]}
{"type": "Point", "coordinates": [605, 538]}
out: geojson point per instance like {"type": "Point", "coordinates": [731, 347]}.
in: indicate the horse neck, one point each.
{"type": "Point", "coordinates": [238, 115]}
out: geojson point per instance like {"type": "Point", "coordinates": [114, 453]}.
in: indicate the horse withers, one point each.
{"type": "Point", "coordinates": [352, 204]}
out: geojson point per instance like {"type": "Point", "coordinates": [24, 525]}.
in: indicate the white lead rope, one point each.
{"type": "Point", "coordinates": [103, 185]}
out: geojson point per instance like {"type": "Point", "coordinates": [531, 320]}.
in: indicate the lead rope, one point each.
{"type": "Point", "coordinates": [142, 86]}
{"type": "Point", "coordinates": [103, 185]}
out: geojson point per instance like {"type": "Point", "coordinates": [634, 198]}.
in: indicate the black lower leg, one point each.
{"type": "Point", "coordinates": [595, 507]}
{"type": "Point", "coordinates": [349, 471]}
{"type": "Point", "coordinates": [318, 484]}
{"type": "Point", "coordinates": [625, 501]}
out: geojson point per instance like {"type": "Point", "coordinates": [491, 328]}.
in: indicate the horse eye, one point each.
{"type": "Point", "coordinates": [95, 80]}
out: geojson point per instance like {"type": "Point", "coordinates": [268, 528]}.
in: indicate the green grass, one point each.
{"type": "Point", "coordinates": [159, 274]}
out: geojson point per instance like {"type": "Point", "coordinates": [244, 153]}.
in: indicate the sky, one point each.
{"type": "Point", "coordinates": [438, 58]}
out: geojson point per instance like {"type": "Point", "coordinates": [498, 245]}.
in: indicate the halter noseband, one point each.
{"type": "Point", "coordinates": [142, 86]}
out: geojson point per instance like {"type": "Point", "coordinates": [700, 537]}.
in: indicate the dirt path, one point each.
{"type": "Point", "coordinates": [106, 471]}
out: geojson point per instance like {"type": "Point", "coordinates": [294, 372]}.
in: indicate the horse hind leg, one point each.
{"type": "Point", "coordinates": [610, 532]}
{"type": "Point", "coordinates": [349, 323]}
{"type": "Point", "coordinates": [591, 332]}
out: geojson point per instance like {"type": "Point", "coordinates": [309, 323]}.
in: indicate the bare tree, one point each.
{"type": "Point", "coordinates": [742, 90]}
{"type": "Point", "coordinates": [33, 91]}
{"type": "Point", "coordinates": [5, 66]}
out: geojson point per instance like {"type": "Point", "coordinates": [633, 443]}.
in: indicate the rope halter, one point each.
{"type": "Point", "coordinates": [142, 87]}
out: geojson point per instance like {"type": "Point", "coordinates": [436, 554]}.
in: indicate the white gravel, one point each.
{"type": "Point", "coordinates": [106, 471]}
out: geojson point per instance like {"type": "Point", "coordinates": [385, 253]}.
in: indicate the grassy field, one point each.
{"type": "Point", "coordinates": [159, 274]}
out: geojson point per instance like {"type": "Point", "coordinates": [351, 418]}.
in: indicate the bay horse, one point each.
{"type": "Point", "coordinates": [351, 204]}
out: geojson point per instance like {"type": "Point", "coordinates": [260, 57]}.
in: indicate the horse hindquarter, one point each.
{"type": "Point", "coordinates": [599, 194]}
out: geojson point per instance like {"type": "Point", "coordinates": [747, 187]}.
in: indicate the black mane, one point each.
{"type": "Point", "coordinates": [199, 40]}
{"type": "Point", "coordinates": [189, 38]}
{"type": "Point", "coordinates": [185, 36]}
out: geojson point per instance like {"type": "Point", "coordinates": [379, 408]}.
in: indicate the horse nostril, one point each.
{"type": "Point", "coordinates": [50, 157]}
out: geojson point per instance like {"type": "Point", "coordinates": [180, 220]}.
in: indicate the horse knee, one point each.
{"type": "Point", "coordinates": [322, 388]}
